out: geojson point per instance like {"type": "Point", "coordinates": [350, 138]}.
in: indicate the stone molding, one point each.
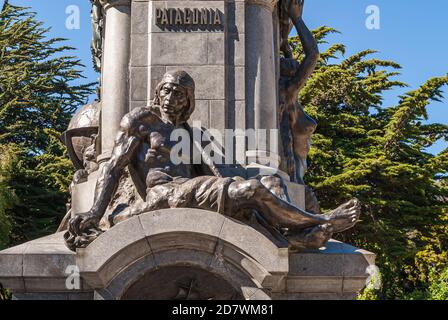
{"type": "Point", "coordinates": [268, 4]}
{"type": "Point", "coordinates": [221, 241]}
{"type": "Point", "coordinates": [114, 3]}
{"type": "Point", "coordinates": [37, 269]}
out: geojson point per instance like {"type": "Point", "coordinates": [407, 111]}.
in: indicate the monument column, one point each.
{"type": "Point", "coordinates": [115, 71]}
{"type": "Point", "coordinates": [261, 81]}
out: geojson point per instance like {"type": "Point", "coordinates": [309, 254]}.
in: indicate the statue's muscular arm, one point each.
{"type": "Point", "coordinates": [127, 143]}
{"type": "Point", "coordinates": [309, 44]}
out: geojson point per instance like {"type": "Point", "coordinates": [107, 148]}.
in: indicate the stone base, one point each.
{"type": "Point", "coordinates": [182, 248]}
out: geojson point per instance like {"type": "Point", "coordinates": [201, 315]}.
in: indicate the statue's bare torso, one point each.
{"type": "Point", "coordinates": [152, 159]}
{"type": "Point", "coordinates": [144, 144]}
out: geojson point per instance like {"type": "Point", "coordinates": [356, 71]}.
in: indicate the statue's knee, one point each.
{"type": "Point", "coordinates": [272, 182]}
{"type": "Point", "coordinates": [255, 184]}
{"type": "Point", "coordinates": [246, 189]}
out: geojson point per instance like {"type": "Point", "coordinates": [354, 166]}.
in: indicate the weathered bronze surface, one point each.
{"type": "Point", "coordinates": [144, 146]}
{"type": "Point", "coordinates": [97, 37]}
{"type": "Point", "coordinates": [79, 135]}
{"type": "Point", "coordinates": [296, 126]}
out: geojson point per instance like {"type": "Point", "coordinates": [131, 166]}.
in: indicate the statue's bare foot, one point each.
{"type": "Point", "coordinates": [310, 238]}
{"type": "Point", "coordinates": [345, 216]}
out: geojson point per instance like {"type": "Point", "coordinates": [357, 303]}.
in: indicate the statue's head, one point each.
{"type": "Point", "coordinates": [174, 96]}
{"type": "Point", "coordinates": [288, 67]}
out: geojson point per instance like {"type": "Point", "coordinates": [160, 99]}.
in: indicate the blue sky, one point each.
{"type": "Point", "coordinates": [412, 33]}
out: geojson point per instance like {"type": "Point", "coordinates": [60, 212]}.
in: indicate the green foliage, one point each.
{"type": "Point", "coordinates": [5, 294]}
{"type": "Point", "coordinates": [439, 285]}
{"type": "Point", "coordinates": [39, 91]}
{"type": "Point", "coordinates": [437, 288]}
{"type": "Point", "coordinates": [372, 289]}
{"type": "Point", "coordinates": [7, 195]}
{"type": "Point", "coordinates": [375, 153]}
{"type": "Point", "coordinates": [368, 293]}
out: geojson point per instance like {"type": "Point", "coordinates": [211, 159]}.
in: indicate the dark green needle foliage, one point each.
{"type": "Point", "coordinates": [40, 88]}
{"type": "Point", "coordinates": [361, 149]}
{"type": "Point", "coordinates": [378, 154]}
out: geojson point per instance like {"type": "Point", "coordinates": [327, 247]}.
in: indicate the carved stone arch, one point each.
{"type": "Point", "coordinates": [169, 244]}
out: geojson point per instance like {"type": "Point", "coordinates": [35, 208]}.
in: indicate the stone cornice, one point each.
{"type": "Point", "coordinates": [268, 4]}
{"type": "Point", "coordinates": [114, 3]}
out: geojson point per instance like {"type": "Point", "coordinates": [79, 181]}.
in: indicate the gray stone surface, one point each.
{"type": "Point", "coordinates": [188, 237]}
{"type": "Point", "coordinates": [337, 271]}
{"type": "Point", "coordinates": [36, 270]}
{"type": "Point", "coordinates": [53, 296]}
{"type": "Point", "coordinates": [217, 113]}
{"type": "Point", "coordinates": [235, 49]}
{"type": "Point", "coordinates": [154, 76]}
{"type": "Point", "coordinates": [209, 80]}
{"type": "Point", "coordinates": [314, 284]}
{"type": "Point", "coordinates": [201, 115]}
{"type": "Point", "coordinates": [182, 220]}
{"type": "Point", "coordinates": [139, 50]}
{"type": "Point", "coordinates": [237, 83]}
{"type": "Point", "coordinates": [215, 52]}
{"type": "Point", "coordinates": [179, 49]}
{"type": "Point", "coordinates": [115, 71]}
{"type": "Point", "coordinates": [314, 296]}
{"type": "Point", "coordinates": [260, 70]}
{"type": "Point", "coordinates": [140, 17]}
{"type": "Point", "coordinates": [260, 248]}
{"type": "Point", "coordinates": [336, 259]}
{"type": "Point", "coordinates": [82, 194]}
{"type": "Point", "coordinates": [139, 83]}
{"type": "Point", "coordinates": [105, 256]}
{"type": "Point", "coordinates": [259, 294]}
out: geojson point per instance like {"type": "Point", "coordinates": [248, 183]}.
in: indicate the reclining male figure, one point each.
{"type": "Point", "coordinates": [143, 143]}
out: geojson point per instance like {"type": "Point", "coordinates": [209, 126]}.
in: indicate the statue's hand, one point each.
{"type": "Point", "coordinates": [296, 9]}
{"type": "Point", "coordinates": [81, 224]}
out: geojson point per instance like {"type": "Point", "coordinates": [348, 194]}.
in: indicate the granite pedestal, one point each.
{"type": "Point", "coordinates": [182, 246]}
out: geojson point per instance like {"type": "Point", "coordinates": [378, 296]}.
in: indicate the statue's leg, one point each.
{"type": "Point", "coordinates": [157, 198]}
{"type": "Point", "coordinates": [253, 194]}
{"type": "Point", "coordinates": [276, 186]}
{"type": "Point", "coordinates": [351, 207]}
{"type": "Point", "coordinates": [282, 214]}
{"type": "Point", "coordinates": [311, 203]}
{"type": "Point", "coordinates": [203, 192]}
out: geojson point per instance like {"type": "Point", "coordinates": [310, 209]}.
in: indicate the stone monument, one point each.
{"type": "Point", "coordinates": [191, 164]}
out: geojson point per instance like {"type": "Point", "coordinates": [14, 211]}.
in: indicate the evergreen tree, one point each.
{"type": "Point", "coordinates": [7, 196]}
{"type": "Point", "coordinates": [377, 154]}
{"type": "Point", "coordinates": [39, 92]}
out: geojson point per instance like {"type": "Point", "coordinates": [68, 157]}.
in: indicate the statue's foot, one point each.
{"type": "Point", "coordinates": [310, 238]}
{"type": "Point", "coordinates": [345, 216]}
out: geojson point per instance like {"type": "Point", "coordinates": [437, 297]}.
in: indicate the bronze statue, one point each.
{"type": "Point", "coordinates": [285, 26]}
{"type": "Point", "coordinates": [143, 145]}
{"type": "Point", "coordinates": [80, 138]}
{"type": "Point", "coordinates": [96, 46]}
{"type": "Point", "coordinates": [296, 126]}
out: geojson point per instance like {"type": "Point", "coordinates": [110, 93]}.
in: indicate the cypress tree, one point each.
{"type": "Point", "coordinates": [378, 154]}
{"type": "Point", "coordinates": [40, 88]}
